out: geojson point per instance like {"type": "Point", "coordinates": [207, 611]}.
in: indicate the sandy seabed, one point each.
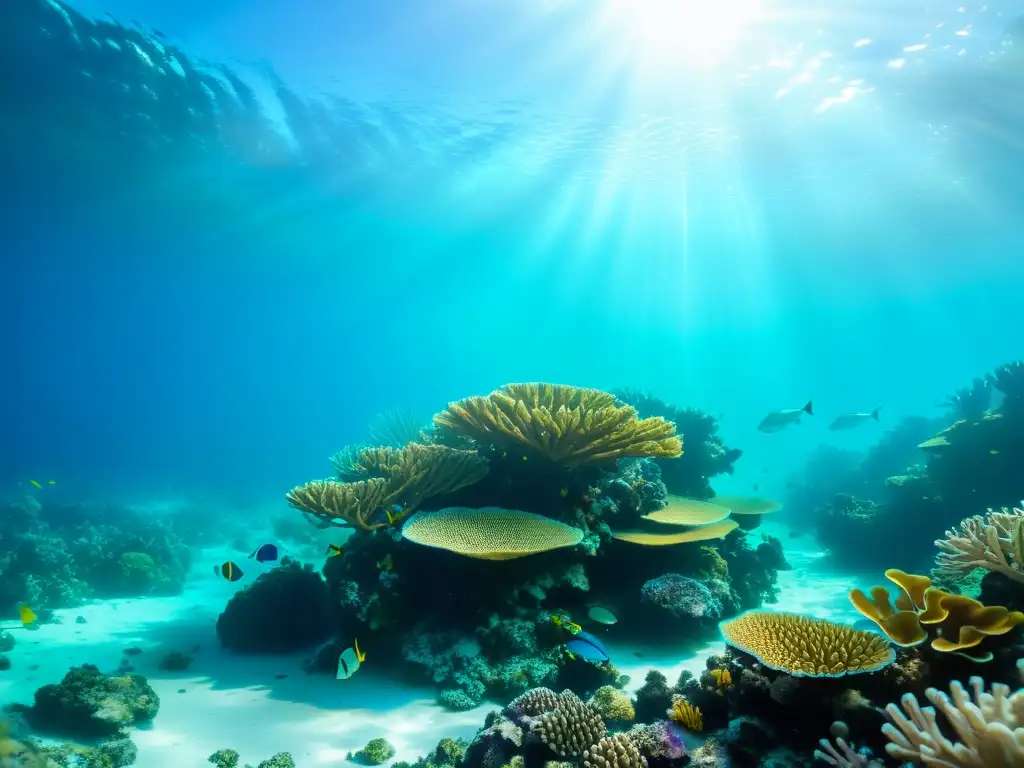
{"type": "Point", "coordinates": [239, 702]}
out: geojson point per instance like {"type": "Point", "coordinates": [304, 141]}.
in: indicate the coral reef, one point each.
{"type": "Point", "coordinates": [286, 609]}
{"type": "Point", "coordinates": [376, 752]}
{"type": "Point", "coordinates": [985, 542]}
{"type": "Point", "coordinates": [59, 555]}
{"type": "Point", "coordinates": [89, 704]}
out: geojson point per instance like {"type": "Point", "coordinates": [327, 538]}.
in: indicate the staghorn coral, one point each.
{"type": "Point", "coordinates": [988, 726]}
{"type": "Point", "coordinates": [571, 727]}
{"type": "Point", "coordinates": [804, 646]}
{"type": "Point", "coordinates": [842, 754]}
{"type": "Point", "coordinates": [490, 533]}
{"type": "Point", "coordinates": [985, 542]}
{"type": "Point", "coordinates": [569, 425]}
{"type": "Point", "coordinates": [615, 751]}
{"type": "Point", "coordinates": [959, 623]}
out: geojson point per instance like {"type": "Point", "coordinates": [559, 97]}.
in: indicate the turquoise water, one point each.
{"type": "Point", "coordinates": [234, 234]}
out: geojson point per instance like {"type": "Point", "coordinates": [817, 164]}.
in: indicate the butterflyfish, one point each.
{"type": "Point", "coordinates": [228, 570]}
{"type": "Point", "coordinates": [266, 553]}
{"type": "Point", "coordinates": [349, 661]}
{"type": "Point", "coordinates": [27, 615]}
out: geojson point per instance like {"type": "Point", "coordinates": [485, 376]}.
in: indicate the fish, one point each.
{"type": "Point", "coordinates": [349, 661]}
{"type": "Point", "coordinates": [51, 482]}
{"type": "Point", "coordinates": [27, 616]}
{"type": "Point", "coordinates": [776, 421]}
{"type": "Point", "coordinates": [36, 483]}
{"type": "Point", "coordinates": [566, 623]}
{"type": "Point", "coordinates": [333, 550]}
{"type": "Point", "coordinates": [228, 570]}
{"type": "Point", "coordinates": [564, 492]}
{"type": "Point", "coordinates": [587, 647]}
{"type": "Point", "coordinates": [853, 420]}
{"type": "Point", "coordinates": [602, 615]}
{"type": "Point", "coordinates": [386, 563]}
{"type": "Point", "coordinates": [265, 553]}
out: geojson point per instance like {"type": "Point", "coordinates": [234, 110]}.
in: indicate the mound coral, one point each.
{"type": "Point", "coordinates": [491, 533]}
{"type": "Point", "coordinates": [959, 623]}
{"type": "Point", "coordinates": [807, 647]}
{"type": "Point", "coordinates": [681, 596]}
{"type": "Point", "coordinates": [569, 425]}
{"type": "Point", "coordinates": [612, 704]}
{"type": "Point", "coordinates": [615, 751]}
{"type": "Point", "coordinates": [994, 542]}
{"type": "Point", "coordinates": [571, 727]}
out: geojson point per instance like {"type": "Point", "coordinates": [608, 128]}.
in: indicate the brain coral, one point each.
{"type": "Point", "coordinates": [681, 596]}
{"type": "Point", "coordinates": [489, 533]}
{"type": "Point", "coordinates": [807, 647]}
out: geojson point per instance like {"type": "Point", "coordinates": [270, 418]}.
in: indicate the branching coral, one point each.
{"type": "Point", "coordinates": [569, 425]}
{"type": "Point", "coordinates": [355, 504]}
{"type": "Point", "coordinates": [988, 726]}
{"type": "Point", "coordinates": [985, 542]}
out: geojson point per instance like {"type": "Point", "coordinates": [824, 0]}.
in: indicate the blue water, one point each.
{"type": "Point", "coordinates": [483, 193]}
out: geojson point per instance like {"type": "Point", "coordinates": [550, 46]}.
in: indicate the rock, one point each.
{"type": "Point", "coordinates": [89, 704]}
{"type": "Point", "coordinates": [5, 662]}
{"type": "Point", "coordinates": [80, 620]}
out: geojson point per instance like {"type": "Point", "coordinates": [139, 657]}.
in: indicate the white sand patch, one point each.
{"type": "Point", "coordinates": [264, 705]}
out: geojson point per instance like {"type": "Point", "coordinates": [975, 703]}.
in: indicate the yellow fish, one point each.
{"type": "Point", "coordinates": [27, 615]}
{"type": "Point", "coordinates": [35, 483]}
{"type": "Point", "coordinates": [564, 492]}
{"type": "Point", "coordinates": [386, 563]}
{"type": "Point", "coordinates": [333, 550]}
{"type": "Point", "coordinates": [567, 624]}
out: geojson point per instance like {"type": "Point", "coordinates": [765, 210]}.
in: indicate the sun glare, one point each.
{"type": "Point", "coordinates": [690, 31]}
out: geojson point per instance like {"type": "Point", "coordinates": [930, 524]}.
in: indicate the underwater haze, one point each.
{"type": "Point", "coordinates": [765, 248]}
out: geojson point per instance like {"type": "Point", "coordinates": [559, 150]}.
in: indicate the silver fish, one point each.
{"type": "Point", "coordinates": [853, 420]}
{"type": "Point", "coordinates": [779, 420]}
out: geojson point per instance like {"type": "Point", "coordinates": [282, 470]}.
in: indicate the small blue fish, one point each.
{"type": "Point", "coordinates": [587, 647]}
{"type": "Point", "coordinates": [267, 553]}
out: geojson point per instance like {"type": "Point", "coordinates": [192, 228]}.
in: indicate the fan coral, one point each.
{"type": "Point", "coordinates": [615, 751]}
{"type": "Point", "coordinates": [960, 623]}
{"type": "Point", "coordinates": [571, 727]}
{"type": "Point", "coordinates": [989, 726]}
{"type": "Point", "coordinates": [686, 714]}
{"type": "Point", "coordinates": [569, 425]}
{"type": "Point", "coordinates": [681, 596]}
{"type": "Point", "coordinates": [490, 533]}
{"type": "Point", "coordinates": [803, 646]}
{"type": "Point", "coordinates": [985, 542]}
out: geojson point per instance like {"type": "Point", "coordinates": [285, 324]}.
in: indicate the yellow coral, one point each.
{"type": "Point", "coordinates": [401, 478]}
{"type": "Point", "coordinates": [679, 510]}
{"type": "Point", "coordinates": [686, 714]}
{"type": "Point", "coordinates": [961, 623]}
{"type": "Point", "coordinates": [807, 647]}
{"type": "Point", "coordinates": [703, 533]}
{"type": "Point", "coordinates": [723, 677]}
{"type": "Point", "coordinates": [612, 703]}
{"type": "Point", "coordinates": [569, 425]}
{"type": "Point", "coordinates": [490, 533]}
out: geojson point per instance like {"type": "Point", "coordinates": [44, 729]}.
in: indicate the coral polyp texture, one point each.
{"type": "Point", "coordinates": [615, 751]}
{"type": "Point", "coordinates": [569, 425]}
{"type": "Point", "coordinates": [489, 533]}
{"type": "Point", "coordinates": [994, 542]}
{"type": "Point", "coordinates": [807, 647]}
{"type": "Point", "coordinates": [988, 727]}
{"type": "Point", "coordinates": [682, 511]}
{"type": "Point", "coordinates": [957, 623]}
{"type": "Point", "coordinates": [571, 727]}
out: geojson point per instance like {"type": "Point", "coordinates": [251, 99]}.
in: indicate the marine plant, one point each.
{"type": "Point", "coordinates": [955, 623]}
{"type": "Point", "coordinates": [568, 425]}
